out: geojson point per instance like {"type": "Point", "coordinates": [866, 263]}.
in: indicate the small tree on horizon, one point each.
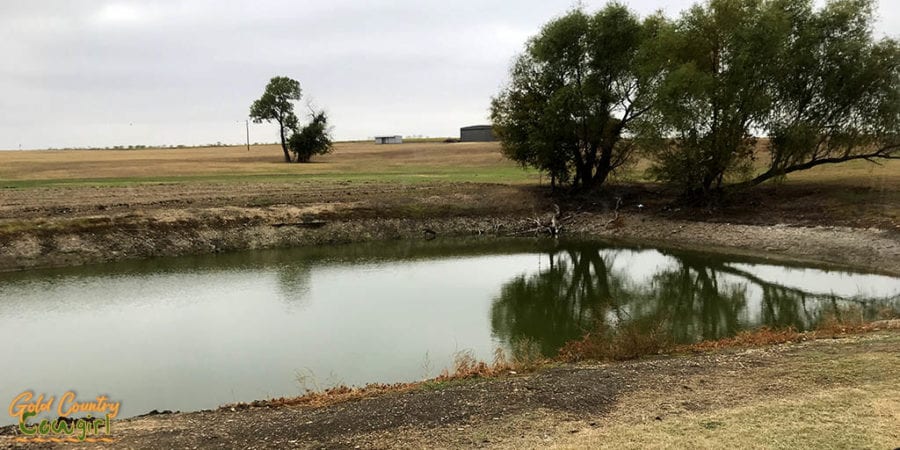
{"type": "Point", "coordinates": [312, 139]}
{"type": "Point", "coordinates": [276, 104]}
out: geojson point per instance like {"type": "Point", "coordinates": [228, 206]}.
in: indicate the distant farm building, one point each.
{"type": "Point", "coordinates": [477, 133]}
{"type": "Point", "coordinates": [388, 139]}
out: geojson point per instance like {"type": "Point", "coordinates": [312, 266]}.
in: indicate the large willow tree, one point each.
{"type": "Point", "coordinates": [836, 90]}
{"type": "Point", "coordinates": [574, 94]}
{"type": "Point", "coordinates": [695, 93]}
{"type": "Point", "coordinates": [816, 82]}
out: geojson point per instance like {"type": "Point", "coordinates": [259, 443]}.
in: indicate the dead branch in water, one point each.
{"type": "Point", "coordinates": [551, 226]}
{"type": "Point", "coordinates": [615, 221]}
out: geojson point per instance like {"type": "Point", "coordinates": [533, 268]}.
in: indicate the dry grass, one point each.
{"type": "Point", "coordinates": [632, 341]}
{"type": "Point", "coordinates": [330, 396]}
{"type": "Point", "coordinates": [47, 183]}
{"type": "Point", "coordinates": [526, 357]}
{"type": "Point", "coordinates": [625, 344]}
{"type": "Point", "coordinates": [829, 396]}
{"type": "Point", "coordinates": [347, 158]}
{"type": "Point", "coordinates": [849, 417]}
{"type": "Point", "coordinates": [842, 393]}
{"type": "Point", "coordinates": [629, 341]}
{"type": "Point", "coordinates": [767, 336]}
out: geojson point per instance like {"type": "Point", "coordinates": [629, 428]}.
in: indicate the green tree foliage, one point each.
{"type": "Point", "coordinates": [714, 88]}
{"type": "Point", "coordinates": [313, 139]}
{"type": "Point", "coordinates": [694, 93]}
{"type": "Point", "coordinates": [574, 94]}
{"type": "Point", "coordinates": [816, 82]}
{"type": "Point", "coordinates": [276, 104]}
{"type": "Point", "coordinates": [836, 92]}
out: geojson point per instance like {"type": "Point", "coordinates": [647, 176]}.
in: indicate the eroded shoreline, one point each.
{"type": "Point", "coordinates": [179, 233]}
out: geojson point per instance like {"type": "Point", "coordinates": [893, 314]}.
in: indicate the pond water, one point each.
{"type": "Point", "coordinates": [198, 332]}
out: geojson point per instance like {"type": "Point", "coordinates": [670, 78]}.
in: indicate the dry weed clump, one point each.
{"type": "Point", "coordinates": [526, 357]}
{"type": "Point", "coordinates": [631, 342]}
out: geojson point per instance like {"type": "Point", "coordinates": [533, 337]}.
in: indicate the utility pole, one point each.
{"type": "Point", "coordinates": [247, 123]}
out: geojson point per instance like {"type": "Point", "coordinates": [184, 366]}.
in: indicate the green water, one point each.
{"type": "Point", "coordinates": [194, 333]}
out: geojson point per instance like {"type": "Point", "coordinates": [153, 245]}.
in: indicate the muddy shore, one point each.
{"type": "Point", "coordinates": [65, 226]}
{"type": "Point", "coordinates": [191, 232]}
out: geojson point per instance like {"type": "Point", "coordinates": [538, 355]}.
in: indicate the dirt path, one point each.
{"type": "Point", "coordinates": [842, 393]}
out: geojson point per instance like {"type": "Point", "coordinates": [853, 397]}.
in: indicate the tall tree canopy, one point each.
{"type": "Point", "coordinates": [815, 81]}
{"type": "Point", "coordinates": [574, 94]}
{"type": "Point", "coordinates": [695, 93]}
{"type": "Point", "coordinates": [836, 91]}
{"type": "Point", "coordinates": [276, 104]}
{"type": "Point", "coordinates": [710, 95]}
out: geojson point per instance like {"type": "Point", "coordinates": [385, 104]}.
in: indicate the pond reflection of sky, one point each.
{"type": "Point", "coordinates": [192, 333]}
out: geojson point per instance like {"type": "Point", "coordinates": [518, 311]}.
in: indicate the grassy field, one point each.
{"type": "Point", "coordinates": [359, 161]}
{"type": "Point", "coordinates": [471, 178]}
{"type": "Point", "coordinates": [424, 159]}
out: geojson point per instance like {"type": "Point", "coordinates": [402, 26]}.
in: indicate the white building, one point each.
{"type": "Point", "coordinates": [388, 139]}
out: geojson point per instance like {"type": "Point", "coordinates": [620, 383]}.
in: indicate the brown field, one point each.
{"type": "Point", "coordinates": [265, 160]}
{"type": "Point", "coordinates": [423, 179]}
{"type": "Point", "coordinates": [349, 158]}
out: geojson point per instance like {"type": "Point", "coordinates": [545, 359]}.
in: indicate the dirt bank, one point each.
{"type": "Point", "coordinates": [46, 227]}
{"type": "Point", "coordinates": [821, 394]}
{"type": "Point", "coordinates": [172, 232]}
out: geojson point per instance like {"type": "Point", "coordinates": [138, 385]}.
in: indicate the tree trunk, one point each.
{"type": "Point", "coordinates": [773, 172]}
{"type": "Point", "coordinates": [604, 166]}
{"type": "Point", "coordinates": [287, 154]}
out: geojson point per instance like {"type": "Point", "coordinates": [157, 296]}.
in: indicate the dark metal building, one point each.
{"type": "Point", "coordinates": [476, 133]}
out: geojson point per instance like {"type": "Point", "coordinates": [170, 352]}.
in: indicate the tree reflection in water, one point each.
{"type": "Point", "coordinates": [691, 296]}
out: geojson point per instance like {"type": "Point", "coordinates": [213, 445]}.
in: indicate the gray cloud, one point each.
{"type": "Point", "coordinates": [97, 73]}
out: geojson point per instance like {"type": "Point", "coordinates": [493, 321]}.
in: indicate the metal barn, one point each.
{"type": "Point", "coordinates": [477, 133]}
{"type": "Point", "coordinates": [388, 139]}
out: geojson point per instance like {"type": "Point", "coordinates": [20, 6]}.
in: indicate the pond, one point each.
{"type": "Point", "coordinates": [197, 332]}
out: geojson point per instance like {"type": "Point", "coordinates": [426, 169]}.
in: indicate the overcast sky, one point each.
{"type": "Point", "coordinates": [100, 73]}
